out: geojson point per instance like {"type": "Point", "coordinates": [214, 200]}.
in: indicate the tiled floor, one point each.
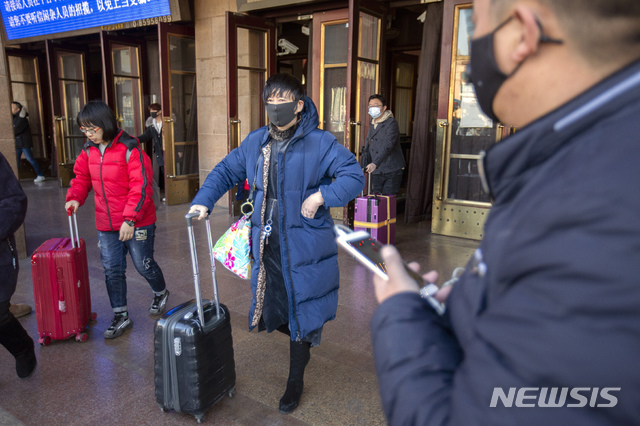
{"type": "Point", "coordinates": [111, 381]}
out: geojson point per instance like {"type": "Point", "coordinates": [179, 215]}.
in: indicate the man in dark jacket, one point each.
{"type": "Point", "coordinates": [153, 134]}
{"type": "Point", "coordinates": [24, 142]}
{"type": "Point", "coordinates": [383, 155]}
{"type": "Point", "coordinates": [13, 208]}
{"type": "Point", "coordinates": [547, 312]}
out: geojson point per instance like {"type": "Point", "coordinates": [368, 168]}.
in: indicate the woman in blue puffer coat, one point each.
{"type": "Point", "coordinates": [299, 172]}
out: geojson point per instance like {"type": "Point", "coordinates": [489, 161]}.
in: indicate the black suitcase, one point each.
{"type": "Point", "coordinates": [194, 365]}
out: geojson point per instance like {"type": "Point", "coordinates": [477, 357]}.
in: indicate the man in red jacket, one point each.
{"type": "Point", "coordinates": [120, 173]}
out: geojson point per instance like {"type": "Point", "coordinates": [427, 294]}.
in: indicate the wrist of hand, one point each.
{"type": "Point", "coordinates": [130, 222]}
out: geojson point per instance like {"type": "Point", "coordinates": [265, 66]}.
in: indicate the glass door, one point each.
{"type": "Point", "coordinates": [460, 205]}
{"type": "Point", "coordinates": [68, 93]}
{"type": "Point", "coordinates": [25, 88]}
{"type": "Point", "coordinates": [343, 82]}
{"type": "Point", "coordinates": [250, 61]}
{"type": "Point", "coordinates": [177, 46]}
{"type": "Point", "coordinates": [123, 83]}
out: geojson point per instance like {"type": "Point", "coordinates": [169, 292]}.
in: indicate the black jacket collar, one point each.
{"type": "Point", "coordinates": [544, 137]}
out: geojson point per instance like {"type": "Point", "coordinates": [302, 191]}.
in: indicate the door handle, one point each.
{"type": "Point", "coordinates": [354, 136]}
{"type": "Point", "coordinates": [234, 132]}
{"type": "Point", "coordinates": [168, 120]}
{"type": "Point", "coordinates": [442, 136]}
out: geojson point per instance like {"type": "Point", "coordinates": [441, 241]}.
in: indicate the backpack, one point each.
{"type": "Point", "coordinates": [156, 187]}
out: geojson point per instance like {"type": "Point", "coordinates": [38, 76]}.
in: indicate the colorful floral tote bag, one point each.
{"type": "Point", "coordinates": [233, 249]}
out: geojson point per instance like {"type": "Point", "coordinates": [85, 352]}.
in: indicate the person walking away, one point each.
{"type": "Point", "coordinates": [24, 142]}
{"type": "Point", "coordinates": [383, 153]}
{"type": "Point", "coordinates": [296, 173]}
{"type": "Point", "coordinates": [119, 172]}
{"type": "Point", "coordinates": [13, 209]}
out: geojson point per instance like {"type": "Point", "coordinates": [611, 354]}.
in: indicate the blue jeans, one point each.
{"type": "Point", "coordinates": [29, 156]}
{"type": "Point", "coordinates": [113, 254]}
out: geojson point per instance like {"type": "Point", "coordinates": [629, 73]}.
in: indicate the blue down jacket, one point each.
{"type": "Point", "coordinates": [550, 303]}
{"type": "Point", "coordinates": [312, 161]}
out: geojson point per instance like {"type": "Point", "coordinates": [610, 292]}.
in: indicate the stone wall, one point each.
{"type": "Point", "coordinates": [211, 71]}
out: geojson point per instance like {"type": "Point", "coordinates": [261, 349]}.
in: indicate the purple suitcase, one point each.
{"type": "Point", "coordinates": [376, 214]}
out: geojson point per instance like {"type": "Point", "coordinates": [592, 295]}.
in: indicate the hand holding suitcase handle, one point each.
{"type": "Point", "coordinates": [194, 264]}
{"type": "Point", "coordinates": [71, 213]}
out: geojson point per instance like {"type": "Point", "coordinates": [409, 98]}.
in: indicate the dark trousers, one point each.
{"type": "Point", "coordinates": [12, 335]}
{"type": "Point", "coordinates": [386, 183]}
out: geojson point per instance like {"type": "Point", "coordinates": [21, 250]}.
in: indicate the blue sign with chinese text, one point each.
{"type": "Point", "coordinates": [30, 18]}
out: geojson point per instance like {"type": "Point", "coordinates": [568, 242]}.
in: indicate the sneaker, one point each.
{"type": "Point", "coordinates": [119, 324]}
{"type": "Point", "coordinates": [39, 179]}
{"type": "Point", "coordinates": [159, 304]}
{"type": "Point", "coordinates": [19, 310]}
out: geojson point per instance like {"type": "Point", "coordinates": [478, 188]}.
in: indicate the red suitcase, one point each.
{"type": "Point", "coordinates": [376, 214]}
{"type": "Point", "coordinates": [61, 288]}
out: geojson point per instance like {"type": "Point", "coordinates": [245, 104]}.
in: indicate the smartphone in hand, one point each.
{"type": "Point", "coordinates": [366, 250]}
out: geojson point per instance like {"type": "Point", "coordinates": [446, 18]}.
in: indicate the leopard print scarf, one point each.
{"type": "Point", "coordinates": [262, 273]}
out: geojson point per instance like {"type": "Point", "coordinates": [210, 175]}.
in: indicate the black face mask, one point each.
{"type": "Point", "coordinates": [484, 73]}
{"type": "Point", "coordinates": [282, 114]}
{"type": "Point", "coordinates": [154, 114]}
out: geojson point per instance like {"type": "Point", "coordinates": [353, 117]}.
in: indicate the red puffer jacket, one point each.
{"type": "Point", "coordinates": [123, 189]}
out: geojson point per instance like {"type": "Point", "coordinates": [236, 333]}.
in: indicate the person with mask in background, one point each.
{"type": "Point", "coordinates": [296, 173]}
{"type": "Point", "coordinates": [153, 134]}
{"type": "Point", "coordinates": [24, 142]}
{"type": "Point", "coordinates": [382, 151]}
{"type": "Point", "coordinates": [542, 327]}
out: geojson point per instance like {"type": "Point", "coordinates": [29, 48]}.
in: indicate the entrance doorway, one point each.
{"type": "Point", "coordinates": [128, 69]}
{"type": "Point", "coordinates": [177, 46]}
{"type": "Point", "coordinates": [26, 88]}
{"type": "Point", "coordinates": [460, 204]}
{"type": "Point", "coordinates": [68, 94]}
{"type": "Point", "coordinates": [312, 48]}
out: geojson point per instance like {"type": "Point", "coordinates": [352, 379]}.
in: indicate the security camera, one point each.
{"type": "Point", "coordinates": [289, 48]}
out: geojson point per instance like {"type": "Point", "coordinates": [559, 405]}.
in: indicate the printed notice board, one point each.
{"type": "Point", "coordinates": [31, 18]}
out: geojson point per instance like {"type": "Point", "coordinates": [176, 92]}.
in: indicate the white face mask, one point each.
{"type": "Point", "coordinates": [375, 112]}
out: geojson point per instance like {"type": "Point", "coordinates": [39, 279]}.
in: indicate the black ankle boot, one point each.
{"type": "Point", "coordinates": [20, 345]}
{"type": "Point", "coordinates": [299, 356]}
{"type": "Point", "coordinates": [26, 362]}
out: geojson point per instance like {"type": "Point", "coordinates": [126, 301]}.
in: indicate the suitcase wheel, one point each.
{"type": "Point", "coordinates": [94, 315]}
{"type": "Point", "coordinates": [163, 408]}
{"type": "Point", "coordinates": [45, 341]}
{"type": "Point", "coordinates": [82, 337]}
{"type": "Point", "coordinates": [199, 417]}
{"type": "Point", "coordinates": [232, 392]}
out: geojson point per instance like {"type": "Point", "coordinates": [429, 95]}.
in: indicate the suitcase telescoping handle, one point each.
{"type": "Point", "coordinates": [71, 214]}
{"type": "Point", "coordinates": [368, 179]}
{"type": "Point", "coordinates": [194, 265]}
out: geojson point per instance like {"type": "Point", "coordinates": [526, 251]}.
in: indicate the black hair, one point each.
{"type": "Point", "coordinates": [280, 84]}
{"type": "Point", "coordinates": [155, 106]}
{"type": "Point", "coordinates": [603, 31]}
{"type": "Point", "coordinates": [381, 98]}
{"type": "Point", "coordinates": [18, 104]}
{"type": "Point", "coordinates": [98, 114]}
